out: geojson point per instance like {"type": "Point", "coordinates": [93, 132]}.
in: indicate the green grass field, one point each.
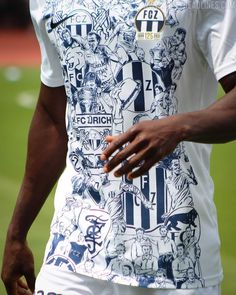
{"type": "Point", "coordinates": [18, 99]}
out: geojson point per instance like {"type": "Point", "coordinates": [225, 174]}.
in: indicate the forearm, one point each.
{"type": "Point", "coordinates": [47, 145]}
{"type": "Point", "coordinates": [215, 124]}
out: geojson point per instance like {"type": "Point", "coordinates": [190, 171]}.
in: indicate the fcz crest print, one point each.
{"type": "Point", "coordinates": [149, 22]}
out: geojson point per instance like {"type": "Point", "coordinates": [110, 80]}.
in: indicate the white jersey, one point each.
{"type": "Point", "coordinates": [181, 47]}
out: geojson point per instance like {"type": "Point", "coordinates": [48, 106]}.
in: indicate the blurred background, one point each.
{"type": "Point", "coordinates": [19, 86]}
{"type": "Point", "coordinates": [14, 14]}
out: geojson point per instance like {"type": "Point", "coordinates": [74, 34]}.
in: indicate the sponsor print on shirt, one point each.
{"type": "Point", "coordinates": [143, 232]}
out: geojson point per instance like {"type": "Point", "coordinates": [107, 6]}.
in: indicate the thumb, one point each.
{"type": "Point", "coordinates": [30, 279]}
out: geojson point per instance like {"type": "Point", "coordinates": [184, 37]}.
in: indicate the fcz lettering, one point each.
{"type": "Point", "coordinates": [148, 88]}
{"type": "Point", "coordinates": [150, 14]}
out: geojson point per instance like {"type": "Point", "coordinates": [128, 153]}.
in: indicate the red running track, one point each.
{"type": "Point", "coordinates": [19, 48]}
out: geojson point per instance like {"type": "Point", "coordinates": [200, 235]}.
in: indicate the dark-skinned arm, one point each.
{"type": "Point", "coordinates": [150, 141]}
{"type": "Point", "coordinates": [46, 155]}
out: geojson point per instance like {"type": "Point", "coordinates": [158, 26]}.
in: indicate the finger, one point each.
{"type": "Point", "coordinates": [142, 170]}
{"type": "Point", "coordinates": [109, 138]}
{"type": "Point", "coordinates": [121, 156]}
{"type": "Point", "coordinates": [132, 163]}
{"type": "Point", "coordinates": [116, 142]}
{"type": "Point", "coordinates": [23, 291]}
{"type": "Point", "coordinates": [23, 288]}
{"type": "Point", "coordinates": [30, 278]}
{"type": "Point", "coordinates": [22, 283]}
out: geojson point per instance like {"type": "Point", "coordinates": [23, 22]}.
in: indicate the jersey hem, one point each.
{"type": "Point", "coordinates": [209, 282]}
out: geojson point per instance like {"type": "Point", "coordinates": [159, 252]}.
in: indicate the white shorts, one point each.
{"type": "Point", "coordinates": [52, 281]}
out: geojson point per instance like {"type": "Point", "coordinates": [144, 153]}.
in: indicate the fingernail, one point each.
{"type": "Point", "coordinates": [109, 138]}
{"type": "Point", "coordinates": [129, 177]}
{"type": "Point", "coordinates": [105, 169]}
{"type": "Point", "coordinates": [102, 157]}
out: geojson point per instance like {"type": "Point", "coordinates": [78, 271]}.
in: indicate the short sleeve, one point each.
{"type": "Point", "coordinates": [216, 35]}
{"type": "Point", "coordinates": [51, 71]}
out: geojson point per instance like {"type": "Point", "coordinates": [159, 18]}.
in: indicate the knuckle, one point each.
{"type": "Point", "coordinates": [130, 164]}
{"type": "Point", "coordinates": [142, 125]}
{"type": "Point", "coordinates": [115, 143]}
{"type": "Point", "coordinates": [116, 159]}
{"type": "Point", "coordinates": [139, 171]}
{"type": "Point", "coordinates": [131, 161]}
{"type": "Point", "coordinates": [133, 130]}
{"type": "Point", "coordinates": [141, 138]}
{"type": "Point", "coordinates": [142, 141]}
{"type": "Point", "coordinates": [120, 155]}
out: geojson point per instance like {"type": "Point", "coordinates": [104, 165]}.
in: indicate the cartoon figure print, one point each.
{"type": "Point", "coordinates": [111, 82]}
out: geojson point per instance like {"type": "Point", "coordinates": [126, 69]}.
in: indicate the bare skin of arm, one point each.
{"type": "Point", "coordinates": [150, 141]}
{"type": "Point", "coordinates": [46, 155]}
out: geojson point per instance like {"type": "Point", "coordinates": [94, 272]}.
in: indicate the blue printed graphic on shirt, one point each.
{"type": "Point", "coordinates": [143, 232]}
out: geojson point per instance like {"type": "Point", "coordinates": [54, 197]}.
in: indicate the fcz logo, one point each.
{"type": "Point", "coordinates": [149, 22]}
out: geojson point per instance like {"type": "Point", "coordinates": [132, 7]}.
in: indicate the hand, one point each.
{"type": "Point", "coordinates": [141, 146]}
{"type": "Point", "coordinates": [18, 269]}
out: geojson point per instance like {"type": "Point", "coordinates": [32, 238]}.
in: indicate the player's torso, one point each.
{"type": "Point", "coordinates": [121, 61]}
